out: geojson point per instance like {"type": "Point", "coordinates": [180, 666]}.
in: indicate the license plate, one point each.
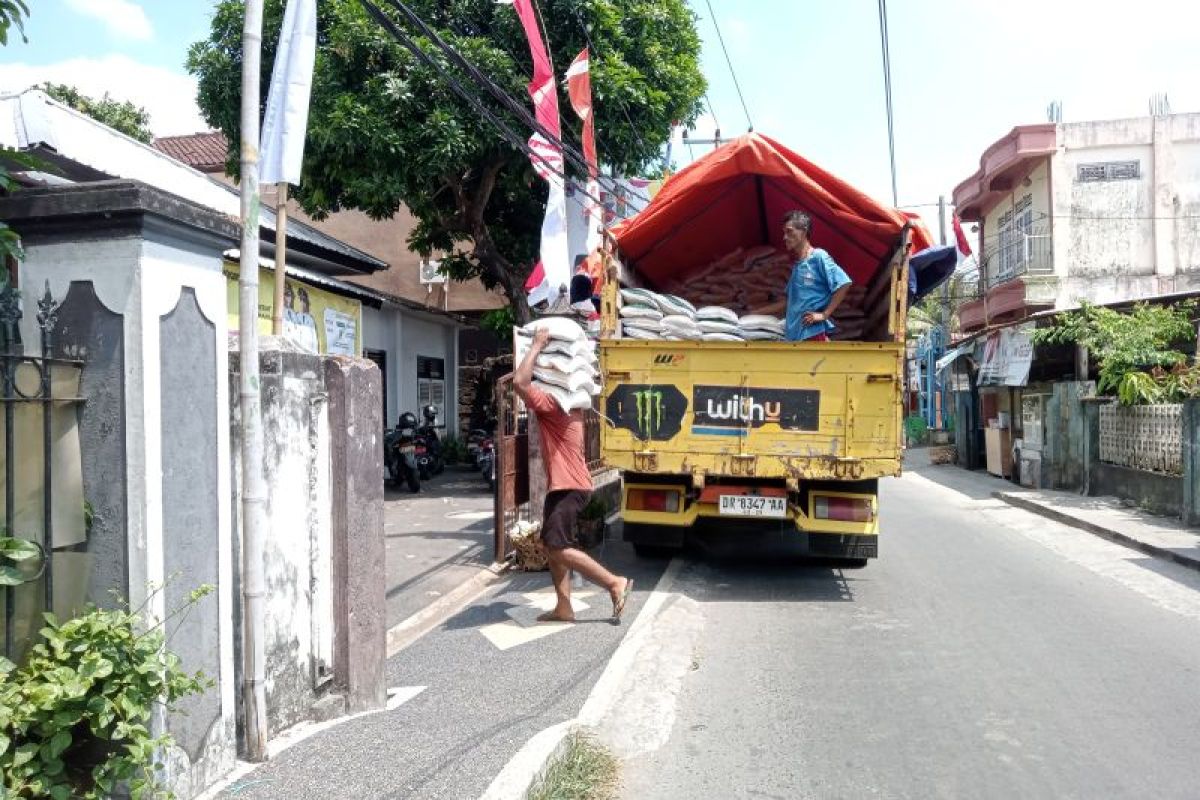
{"type": "Point", "coordinates": [408, 450]}
{"type": "Point", "coordinates": [742, 505]}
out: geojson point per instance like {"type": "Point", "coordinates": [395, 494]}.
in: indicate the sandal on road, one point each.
{"type": "Point", "coordinates": [550, 616]}
{"type": "Point", "coordinates": [619, 604]}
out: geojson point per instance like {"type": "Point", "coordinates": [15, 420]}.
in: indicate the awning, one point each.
{"type": "Point", "coordinates": [951, 356]}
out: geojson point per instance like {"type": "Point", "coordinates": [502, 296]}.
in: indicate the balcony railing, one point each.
{"type": "Point", "coordinates": [1019, 254]}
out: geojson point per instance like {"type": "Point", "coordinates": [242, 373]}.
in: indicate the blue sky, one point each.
{"type": "Point", "coordinates": [963, 72]}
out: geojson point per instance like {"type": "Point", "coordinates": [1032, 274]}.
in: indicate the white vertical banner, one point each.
{"type": "Point", "coordinates": [285, 124]}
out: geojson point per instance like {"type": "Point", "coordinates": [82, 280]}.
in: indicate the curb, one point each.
{"type": "Point", "coordinates": [531, 761]}
{"type": "Point", "coordinates": [1099, 530]}
{"type": "Point", "coordinates": [404, 633]}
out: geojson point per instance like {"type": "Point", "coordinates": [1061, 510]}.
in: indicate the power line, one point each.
{"type": "Point", "coordinates": [887, 91]}
{"type": "Point", "coordinates": [737, 85]}
{"type": "Point", "coordinates": [472, 99]}
{"type": "Point", "coordinates": [500, 95]}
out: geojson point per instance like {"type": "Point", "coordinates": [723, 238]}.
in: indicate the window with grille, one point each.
{"type": "Point", "coordinates": [1109, 171]}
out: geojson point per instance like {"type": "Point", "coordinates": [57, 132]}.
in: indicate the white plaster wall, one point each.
{"type": "Point", "coordinates": [298, 607]}
{"type": "Point", "coordinates": [1117, 240]}
{"type": "Point", "coordinates": [381, 331]}
{"type": "Point", "coordinates": [1110, 223]}
{"type": "Point", "coordinates": [434, 340]}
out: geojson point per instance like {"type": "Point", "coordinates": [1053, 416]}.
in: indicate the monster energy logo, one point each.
{"type": "Point", "coordinates": [649, 410]}
{"type": "Point", "coordinates": [653, 413]}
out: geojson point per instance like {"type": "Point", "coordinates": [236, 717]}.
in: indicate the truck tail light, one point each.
{"type": "Point", "coordinates": [843, 509]}
{"type": "Point", "coordinates": [653, 500]}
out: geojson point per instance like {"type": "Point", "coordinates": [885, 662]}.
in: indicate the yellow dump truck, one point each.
{"type": "Point", "coordinates": [788, 436]}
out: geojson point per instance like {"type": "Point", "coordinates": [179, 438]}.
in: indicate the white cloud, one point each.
{"type": "Point", "coordinates": [123, 18]}
{"type": "Point", "coordinates": [169, 97]}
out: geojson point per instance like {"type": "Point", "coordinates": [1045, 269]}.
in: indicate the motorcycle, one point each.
{"type": "Point", "coordinates": [401, 452]}
{"type": "Point", "coordinates": [430, 458]}
{"type": "Point", "coordinates": [485, 460]}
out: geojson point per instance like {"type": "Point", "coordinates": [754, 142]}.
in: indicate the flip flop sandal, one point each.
{"type": "Point", "coordinates": [619, 606]}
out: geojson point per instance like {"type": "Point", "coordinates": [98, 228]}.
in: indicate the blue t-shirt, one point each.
{"type": "Point", "coordinates": [813, 282]}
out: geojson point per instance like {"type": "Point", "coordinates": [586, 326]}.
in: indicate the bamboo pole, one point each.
{"type": "Point", "coordinates": [253, 506]}
{"type": "Point", "coordinates": [281, 220]}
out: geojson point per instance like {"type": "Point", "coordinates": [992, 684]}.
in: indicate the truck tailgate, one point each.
{"type": "Point", "coordinates": [825, 410]}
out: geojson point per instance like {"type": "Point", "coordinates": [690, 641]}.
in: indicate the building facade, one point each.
{"type": "Point", "coordinates": [1098, 211]}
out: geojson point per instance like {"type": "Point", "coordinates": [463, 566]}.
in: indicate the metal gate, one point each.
{"type": "Point", "coordinates": [29, 401]}
{"type": "Point", "coordinates": [512, 465]}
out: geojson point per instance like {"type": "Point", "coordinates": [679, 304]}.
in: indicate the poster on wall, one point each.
{"type": "Point", "coordinates": [1007, 356]}
{"type": "Point", "coordinates": [341, 333]}
{"type": "Point", "coordinates": [337, 333]}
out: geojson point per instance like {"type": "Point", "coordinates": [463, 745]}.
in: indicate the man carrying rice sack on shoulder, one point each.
{"type": "Point", "coordinates": [817, 286]}
{"type": "Point", "coordinates": [570, 487]}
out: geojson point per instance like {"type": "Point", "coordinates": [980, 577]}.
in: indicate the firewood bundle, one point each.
{"type": "Point", "coordinates": [530, 553]}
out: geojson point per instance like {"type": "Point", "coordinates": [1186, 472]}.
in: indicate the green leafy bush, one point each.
{"type": "Point", "coordinates": [917, 429]}
{"type": "Point", "coordinates": [75, 719]}
{"type": "Point", "coordinates": [1136, 351]}
{"type": "Point", "coordinates": [12, 552]}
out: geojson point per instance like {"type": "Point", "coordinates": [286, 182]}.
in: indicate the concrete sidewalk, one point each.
{"type": "Point", "coordinates": [464, 698]}
{"type": "Point", "coordinates": [1104, 516]}
{"type": "Point", "coordinates": [1162, 537]}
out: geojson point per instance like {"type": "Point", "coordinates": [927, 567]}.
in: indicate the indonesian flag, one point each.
{"type": "Point", "coordinates": [579, 89]}
{"type": "Point", "coordinates": [960, 239]}
{"type": "Point", "coordinates": [547, 159]}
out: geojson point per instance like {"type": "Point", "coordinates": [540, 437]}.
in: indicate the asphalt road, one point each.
{"type": "Point", "coordinates": [436, 539]}
{"type": "Point", "coordinates": [987, 654]}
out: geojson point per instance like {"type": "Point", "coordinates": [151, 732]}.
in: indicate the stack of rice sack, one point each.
{"type": "Point", "coordinates": [649, 315]}
{"type": "Point", "coordinates": [753, 283]}
{"type": "Point", "coordinates": [665, 317]}
{"type": "Point", "coordinates": [566, 370]}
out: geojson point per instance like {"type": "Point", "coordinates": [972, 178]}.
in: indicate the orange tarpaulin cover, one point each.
{"type": "Point", "coordinates": [737, 195]}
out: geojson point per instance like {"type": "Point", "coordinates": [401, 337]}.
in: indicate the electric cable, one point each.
{"type": "Point", "coordinates": [736, 84]}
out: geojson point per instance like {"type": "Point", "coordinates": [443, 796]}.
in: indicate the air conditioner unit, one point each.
{"type": "Point", "coordinates": [430, 272]}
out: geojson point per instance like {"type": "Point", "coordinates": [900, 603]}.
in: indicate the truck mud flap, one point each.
{"type": "Point", "coordinates": [835, 545]}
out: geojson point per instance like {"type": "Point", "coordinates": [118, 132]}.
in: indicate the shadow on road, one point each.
{"type": "Point", "coordinates": [712, 579]}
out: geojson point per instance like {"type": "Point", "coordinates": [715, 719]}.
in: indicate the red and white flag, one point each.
{"type": "Point", "coordinates": [579, 89]}
{"type": "Point", "coordinates": [960, 239]}
{"type": "Point", "coordinates": [555, 265]}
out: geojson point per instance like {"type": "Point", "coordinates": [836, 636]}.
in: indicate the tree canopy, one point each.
{"type": "Point", "coordinates": [385, 131]}
{"type": "Point", "coordinates": [122, 116]}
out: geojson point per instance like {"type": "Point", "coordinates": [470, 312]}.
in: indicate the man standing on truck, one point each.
{"type": "Point", "coordinates": [570, 487]}
{"type": "Point", "coordinates": [817, 286]}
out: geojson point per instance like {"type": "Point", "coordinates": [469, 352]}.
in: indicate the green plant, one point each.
{"type": "Point", "coordinates": [12, 553]}
{"type": "Point", "coordinates": [75, 719]}
{"type": "Point", "coordinates": [120, 115]}
{"type": "Point", "coordinates": [596, 509]}
{"type": "Point", "coordinates": [1127, 344]}
{"type": "Point", "coordinates": [499, 321]}
{"type": "Point", "coordinates": [451, 449]}
{"type": "Point", "coordinates": [917, 429]}
{"type": "Point", "coordinates": [584, 771]}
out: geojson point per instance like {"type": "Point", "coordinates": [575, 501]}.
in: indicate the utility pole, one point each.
{"type": "Point", "coordinates": [945, 315]}
{"type": "Point", "coordinates": [254, 698]}
{"type": "Point", "coordinates": [942, 234]}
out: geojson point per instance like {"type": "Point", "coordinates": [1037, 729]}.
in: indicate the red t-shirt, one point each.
{"type": "Point", "coordinates": [562, 443]}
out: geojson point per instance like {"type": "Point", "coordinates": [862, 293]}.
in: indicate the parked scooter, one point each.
{"type": "Point", "coordinates": [400, 452]}
{"type": "Point", "coordinates": [485, 459]}
{"type": "Point", "coordinates": [430, 459]}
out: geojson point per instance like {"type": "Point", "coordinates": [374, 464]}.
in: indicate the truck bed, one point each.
{"type": "Point", "coordinates": [762, 410]}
